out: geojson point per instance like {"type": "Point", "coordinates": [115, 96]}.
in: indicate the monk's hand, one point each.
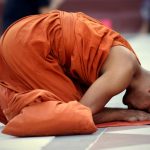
{"type": "Point", "coordinates": [120, 114]}
{"type": "Point", "coordinates": [135, 115]}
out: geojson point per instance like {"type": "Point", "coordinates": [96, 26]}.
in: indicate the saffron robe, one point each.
{"type": "Point", "coordinates": [47, 62]}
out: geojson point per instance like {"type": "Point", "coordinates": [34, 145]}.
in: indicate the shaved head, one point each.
{"type": "Point", "coordinates": [137, 95]}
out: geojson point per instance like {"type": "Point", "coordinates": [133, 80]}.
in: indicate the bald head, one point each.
{"type": "Point", "coordinates": [137, 95]}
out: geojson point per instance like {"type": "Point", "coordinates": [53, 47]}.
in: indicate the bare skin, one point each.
{"type": "Point", "coordinates": [120, 72]}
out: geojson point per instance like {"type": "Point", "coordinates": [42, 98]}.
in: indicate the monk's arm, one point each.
{"type": "Point", "coordinates": [104, 88]}
{"type": "Point", "coordinates": [118, 72]}
{"type": "Point", "coordinates": [101, 92]}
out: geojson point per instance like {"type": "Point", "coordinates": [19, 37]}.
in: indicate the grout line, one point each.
{"type": "Point", "coordinates": [93, 143]}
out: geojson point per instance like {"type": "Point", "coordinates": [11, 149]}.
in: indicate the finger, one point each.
{"type": "Point", "coordinates": [132, 119]}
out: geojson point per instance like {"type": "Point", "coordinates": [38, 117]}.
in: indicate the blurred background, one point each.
{"type": "Point", "coordinates": [125, 16]}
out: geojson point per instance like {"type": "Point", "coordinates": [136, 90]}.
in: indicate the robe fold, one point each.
{"type": "Point", "coordinates": [47, 62]}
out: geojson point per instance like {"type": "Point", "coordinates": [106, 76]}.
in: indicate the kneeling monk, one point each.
{"type": "Point", "coordinates": [58, 70]}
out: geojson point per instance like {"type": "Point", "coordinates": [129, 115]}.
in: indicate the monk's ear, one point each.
{"type": "Point", "coordinates": [149, 94]}
{"type": "Point", "coordinates": [149, 91]}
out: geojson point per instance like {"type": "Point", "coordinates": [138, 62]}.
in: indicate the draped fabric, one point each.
{"type": "Point", "coordinates": [47, 62]}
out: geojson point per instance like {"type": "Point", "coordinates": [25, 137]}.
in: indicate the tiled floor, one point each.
{"type": "Point", "coordinates": [124, 138]}
{"type": "Point", "coordinates": [113, 138]}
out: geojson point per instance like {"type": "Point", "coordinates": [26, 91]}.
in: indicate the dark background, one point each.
{"type": "Point", "coordinates": [124, 14]}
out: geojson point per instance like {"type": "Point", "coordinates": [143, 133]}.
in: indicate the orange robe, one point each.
{"type": "Point", "coordinates": [47, 62]}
